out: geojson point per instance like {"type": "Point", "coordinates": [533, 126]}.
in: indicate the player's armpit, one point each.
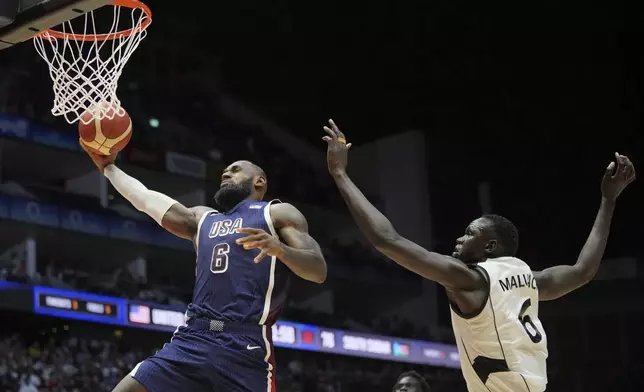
{"type": "Point", "coordinates": [302, 253]}
{"type": "Point", "coordinates": [448, 271]}
{"type": "Point", "coordinates": [555, 282]}
{"type": "Point", "coordinates": [182, 221]}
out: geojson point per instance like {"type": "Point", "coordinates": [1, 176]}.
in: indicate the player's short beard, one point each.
{"type": "Point", "coordinates": [228, 196]}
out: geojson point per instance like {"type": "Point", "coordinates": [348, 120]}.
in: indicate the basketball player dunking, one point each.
{"type": "Point", "coordinates": [494, 296]}
{"type": "Point", "coordinates": [225, 344]}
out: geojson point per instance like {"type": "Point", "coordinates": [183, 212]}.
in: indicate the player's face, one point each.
{"type": "Point", "coordinates": [236, 185]}
{"type": "Point", "coordinates": [407, 384]}
{"type": "Point", "coordinates": [235, 174]}
{"type": "Point", "coordinates": [471, 246]}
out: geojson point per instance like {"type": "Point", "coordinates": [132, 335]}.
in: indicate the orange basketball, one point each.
{"type": "Point", "coordinates": [106, 137]}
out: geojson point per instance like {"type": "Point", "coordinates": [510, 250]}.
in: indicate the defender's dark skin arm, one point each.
{"type": "Point", "coordinates": [464, 285]}
{"type": "Point", "coordinates": [299, 251]}
{"type": "Point", "coordinates": [558, 281]}
{"type": "Point", "coordinates": [445, 270]}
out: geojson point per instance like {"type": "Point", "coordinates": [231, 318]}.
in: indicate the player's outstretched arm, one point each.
{"type": "Point", "coordinates": [299, 251]}
{"type": "Point", "coordinates": [558, 281]}
{"type": "Point", "coordinates": [445, 270]}
{"type": "Point", "coordinates": [167, 212]}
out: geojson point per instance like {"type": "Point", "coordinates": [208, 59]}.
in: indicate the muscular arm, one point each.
{"type": "Point", "coordinates": [445, 270]}
{"type": "Point", "coordinates": [301, 254]}
{"type": "Point", "coordinates": [558, 281]}
{"type": "Point", "coordinates": [182, 221]}
{"type": "Point", "coordinates": [167, 212]}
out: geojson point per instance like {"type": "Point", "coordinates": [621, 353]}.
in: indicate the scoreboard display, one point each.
{"type": "Point", "coordinates": [123, 312]}
{"type": "Point", "coordinates": [72, 304]}
{"type": "Point", "coordinates": [77, 305]}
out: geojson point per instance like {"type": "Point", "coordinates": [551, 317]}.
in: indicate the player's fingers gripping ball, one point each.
{"type": "Point", "coordinates": [105, 136]}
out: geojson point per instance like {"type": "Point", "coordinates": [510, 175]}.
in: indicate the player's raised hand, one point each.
{"type": "Point", "coordinates": [101, 161]}
{"type": "Point", "coordinates": [337, 149]}
{"type": "Point", "coordinates": [618, 175]}
{"type": "Point", "coordinates": [259, 239]}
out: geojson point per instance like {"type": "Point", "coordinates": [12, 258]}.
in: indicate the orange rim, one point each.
{"type": "Point", "coordinates": [49, 33]}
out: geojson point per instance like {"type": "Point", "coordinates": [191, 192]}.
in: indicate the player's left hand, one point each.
{"type": "Point", "coordinates": [259, 239]}
{"type": "Point", "coordinates": [617, 177]}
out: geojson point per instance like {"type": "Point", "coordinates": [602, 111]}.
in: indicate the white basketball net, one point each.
{"type": "Point", "coordinates": [86, 73]}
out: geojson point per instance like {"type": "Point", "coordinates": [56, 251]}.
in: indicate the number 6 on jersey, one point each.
{"type": "Point", "coordinates": [528, 325]}
{"type": "Point", "coordinates": [219, 262]}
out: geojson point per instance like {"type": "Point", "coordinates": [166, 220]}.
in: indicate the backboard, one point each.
{"type": "Point", "coordinates": [22, 19]}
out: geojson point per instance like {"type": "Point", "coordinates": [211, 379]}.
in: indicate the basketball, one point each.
{"type": "Point", "coordinates": [105, 136]}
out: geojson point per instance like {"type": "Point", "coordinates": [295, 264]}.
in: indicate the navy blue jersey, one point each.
{"type": "Point", "coordinates": [229, 285]}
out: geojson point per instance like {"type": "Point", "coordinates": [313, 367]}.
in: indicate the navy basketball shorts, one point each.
{"type": "Point", "coordinates": [237, 359]}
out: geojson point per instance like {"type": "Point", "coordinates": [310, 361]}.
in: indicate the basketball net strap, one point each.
{"type": "Point", "coordinates": [85, 72]}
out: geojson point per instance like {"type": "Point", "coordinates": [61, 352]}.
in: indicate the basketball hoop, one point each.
{"type": "Point", "coordinates": [85, 67]}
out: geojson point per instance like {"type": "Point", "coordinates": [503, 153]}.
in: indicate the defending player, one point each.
{"type": "Point", "coordinates": [494, 296]}
{"type": "Point", "coordinates": [226, 342]}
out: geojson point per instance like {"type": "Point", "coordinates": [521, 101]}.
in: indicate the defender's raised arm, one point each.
{"type": "Point", "coordinates": [445, 270]}
{"type": "Point", "coordinates": [557, 281]}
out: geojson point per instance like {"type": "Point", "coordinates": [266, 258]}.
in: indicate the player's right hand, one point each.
{"type": "Point", "coordinates": [101, 161]}
{"type": "Point", "coordinates": [337, 153]}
